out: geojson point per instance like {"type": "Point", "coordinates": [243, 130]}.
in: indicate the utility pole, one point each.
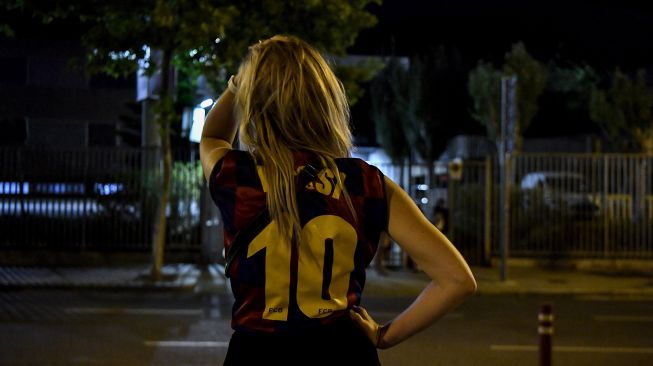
{"type": "Point", "coordinates": [506, 146]}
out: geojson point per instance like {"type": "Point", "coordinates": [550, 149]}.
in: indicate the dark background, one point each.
{"type": "Point", "coordinates": [602, 34]}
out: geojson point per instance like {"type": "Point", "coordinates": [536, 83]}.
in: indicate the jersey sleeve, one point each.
{"type": "Point", "coordinates": [222, 187]}
{"type": "Point", "coordinates": [375, 206]}
{"type": "Point", "coordinates": [384, 219]}
{"type": "Point", "coordinates": [236, 189]}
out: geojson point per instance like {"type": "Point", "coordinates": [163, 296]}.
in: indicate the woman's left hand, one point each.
{"type": "Point", "coordinates": [365, 322]}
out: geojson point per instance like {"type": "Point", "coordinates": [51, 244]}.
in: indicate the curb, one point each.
{"type": "Point", "coordinates": [626, 292]}
{"type": "Point", "coordinates": [189, 277]}
{"type": "Point", "coordinates": [179, 277]}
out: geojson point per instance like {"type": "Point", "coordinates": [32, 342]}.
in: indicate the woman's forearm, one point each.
{"type": "Point", "coordinates": [432, 304]}
{"type": "Point", "coordinates": [220, 122]}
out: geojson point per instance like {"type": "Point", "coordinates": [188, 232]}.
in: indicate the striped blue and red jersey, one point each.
{"type": "Point", "coordinates": [280, 286]}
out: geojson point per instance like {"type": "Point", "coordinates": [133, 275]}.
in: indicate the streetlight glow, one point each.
{"type": "Point", "coordinates": [206, 103]}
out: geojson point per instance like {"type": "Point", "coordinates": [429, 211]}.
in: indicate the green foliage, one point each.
{"type": "Point", "coordinates": [387, 119]}
{"type": "Point", "coordinates": [204, 36]}
{"type": "Point", "coordinates": [575, 82]}
{"type": "Point", "coordinates": [427, 102]}
{"type": "Point", "coordinates": [467, 217]}
{"type": "Point", "coordinates": [416, 124]}
{"type": "Point", "coordinates": [6, 31]}
{"type": "Point", "coordinates": [187, 178]}
{"type": "Point", "coordinates": [165, 114]}
{"type": "Point", "coordinates": [484, 86]}
{"type": "Point", "coordinates": [330, 25]}
{"type": "Point", "coordinates": [353, 76]}
{"type": "Point", "coordinates": [624, 112]}
{"type": "Point", "coordinates": [572, 86]}
{"type": "Point", "coordinates": [186, 185]}
{"type": "Point", "coordinates": [531, 81]}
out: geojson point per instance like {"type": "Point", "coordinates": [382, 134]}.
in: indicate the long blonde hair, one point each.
{"type": "Point", "coordinates": [289, 99]}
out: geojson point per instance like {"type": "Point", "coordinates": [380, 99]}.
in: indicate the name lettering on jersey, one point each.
{"type": "Point", "coordinates": [275, 310]}
{"type": "Point", "coordinates": [324, 311]}
{"type": "Point", "coordinates": [327, 183]}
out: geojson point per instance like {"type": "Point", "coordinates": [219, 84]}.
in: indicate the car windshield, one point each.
{"type": "Point", "coordinates": [567, 184]}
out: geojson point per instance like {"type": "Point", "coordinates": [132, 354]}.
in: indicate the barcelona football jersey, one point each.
{"type": "Point", "coordinates": [280, 286]}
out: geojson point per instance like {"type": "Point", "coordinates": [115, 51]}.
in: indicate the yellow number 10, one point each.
{"type": "Point", "coordinates": [326, 260]}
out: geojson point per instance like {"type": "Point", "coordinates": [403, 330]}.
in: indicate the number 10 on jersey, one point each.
{"type": "Point", "coordinates": [326, 260]}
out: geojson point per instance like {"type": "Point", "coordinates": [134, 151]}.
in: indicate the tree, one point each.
{"type": "Point", "coordinates": [417, 107]}
{"type": "Point", "coordinates": [354, 75]}
{"type": "Point", "coordinates": [575, 83]}
{"type": "Point", "coordinates": [433, 106]}
{"type": "Point", "coordinates": [388, 122]}
{"type": "Point", "coordinates": [428, 99]}
{"type": "Point", "coordinates": [624, 112]}
{"type": "Point", "coordinates": [387, 119]}
{"type": "Point", "coordinates": [531, 81]}
{"type": "Point", "coordinates": [198, 36]}
{"type": "Point", "coordinates": [484, 86]}
{"type": "Point", "coordinates": [565, 102]}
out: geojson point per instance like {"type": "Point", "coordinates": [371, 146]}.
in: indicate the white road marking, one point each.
{"type": "Point", "coordinates": [392, 314]}
{"type": "Point", "coordinates": [579, 349]}
{"type": "Point", "coordinates": [133, 311]}
{"type": "Point", "coordinates": [623, 318]}
{"type": "Point", "coordinates": [186, 344]}
{"type": "Point", "coordinates": [512, 348]}
{"type": "Point", "coordinates": [616, 298]}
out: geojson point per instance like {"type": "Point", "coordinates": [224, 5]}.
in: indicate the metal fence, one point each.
{"type": "Point", "coordinates": [560, 205]}
{"type": "Point", "coordinates": [584, 205]}
{"type": "Point", "coordinates": [94, 198]}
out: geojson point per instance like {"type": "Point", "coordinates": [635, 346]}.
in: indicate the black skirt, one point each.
{"type": "Point", "coordinates": [340, 343]}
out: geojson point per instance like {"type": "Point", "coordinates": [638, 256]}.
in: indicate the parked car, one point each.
{"type": "Point", "coordinates": [558, 191]}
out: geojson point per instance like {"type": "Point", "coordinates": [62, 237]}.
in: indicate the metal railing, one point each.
{"type": "Point", "coordinates": [560, 205]}
{"type": "Point", "coordinates": [93, 198]}
{"type": "Point", "coordinates": [582, 205]}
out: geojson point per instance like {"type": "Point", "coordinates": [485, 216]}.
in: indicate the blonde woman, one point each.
{"type": "Point", "coordinates": [298, 278]}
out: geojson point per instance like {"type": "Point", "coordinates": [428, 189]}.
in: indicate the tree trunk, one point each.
{"type": "Point", "coordinates": [163, 120]}
{"type": "Point", "coordinates": [645, 138]}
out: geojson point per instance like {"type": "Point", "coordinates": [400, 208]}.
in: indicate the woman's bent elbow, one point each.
{"type": "Point", "coordinates": [470, 286]}
{"type": "Point", "coordinates": [467, 285]}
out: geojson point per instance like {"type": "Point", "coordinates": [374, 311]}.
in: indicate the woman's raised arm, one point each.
{"type": "Point", "coordinates": [218, 133]}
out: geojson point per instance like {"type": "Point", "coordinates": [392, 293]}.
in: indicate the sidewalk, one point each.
{"type": "Point", "coordinates": [522, 280]}
{"type": "Point", "coordinates": [178, 276]}
{"type": "Point", "coordinates": [190, 277]}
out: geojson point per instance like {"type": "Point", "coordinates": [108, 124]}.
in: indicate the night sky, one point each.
{"type": "Point", "coordinates": [602, 34]}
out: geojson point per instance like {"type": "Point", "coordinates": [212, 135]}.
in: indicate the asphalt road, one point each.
{"type": "Point", "coordinates": [56, 327]}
